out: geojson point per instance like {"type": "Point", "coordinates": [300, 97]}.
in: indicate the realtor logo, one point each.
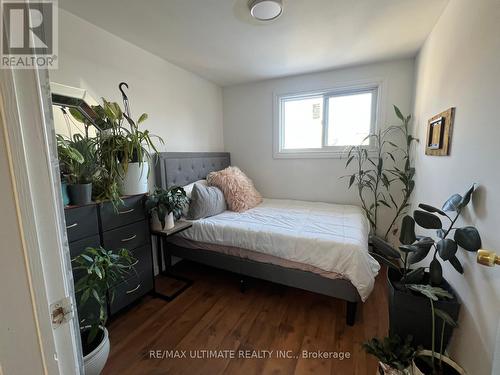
{"type": "Point", "coordinates": [29, 34]}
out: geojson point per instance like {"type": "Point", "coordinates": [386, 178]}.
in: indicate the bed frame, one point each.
{"type": "Point", "coordinates": [182, 168]}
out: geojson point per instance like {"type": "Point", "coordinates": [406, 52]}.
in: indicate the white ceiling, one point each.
{"type": "Point", "coordinates": [219, 40]}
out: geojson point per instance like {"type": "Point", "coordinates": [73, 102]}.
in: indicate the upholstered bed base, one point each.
{"type": "Point", "coordinates": [182, 168]}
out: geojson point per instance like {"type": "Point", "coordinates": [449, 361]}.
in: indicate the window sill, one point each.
{"type": "Point", "coordinates": [317, 154]}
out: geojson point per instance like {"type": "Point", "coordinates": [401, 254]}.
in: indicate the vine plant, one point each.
{"type": "Point", "coordinates": [377, 173]}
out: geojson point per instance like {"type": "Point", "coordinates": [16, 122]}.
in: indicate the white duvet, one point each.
{"type": "Point", "coordinates": [330, 237]}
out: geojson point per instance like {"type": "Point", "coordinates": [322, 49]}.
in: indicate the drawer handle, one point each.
{"type": "Point", "coordinates": [133, 290]}
{"type": "Point", "coordinates": [71, 226]}
{"type": "Point", "coordinates": [125, 212]}
{"type": "Point", "coordinates": [129, 238]}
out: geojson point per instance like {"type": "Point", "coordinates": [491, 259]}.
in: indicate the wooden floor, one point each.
{"type": "Point", "coordinates": [213, 315]}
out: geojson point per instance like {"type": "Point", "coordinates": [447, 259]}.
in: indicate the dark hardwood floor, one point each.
{"type": "Point", "coordinates": [214, 315]}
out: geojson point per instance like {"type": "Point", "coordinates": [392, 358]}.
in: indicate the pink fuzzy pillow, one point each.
{"type": "Point", "coordinates": [238, 189]}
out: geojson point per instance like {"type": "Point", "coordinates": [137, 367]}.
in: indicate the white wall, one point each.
{"type": "Point", "coordinates": [184, 109]}
{"type": "Point", "coordinates": [248, 126]}
{"type": "Point", "coordinates": [459, 66]}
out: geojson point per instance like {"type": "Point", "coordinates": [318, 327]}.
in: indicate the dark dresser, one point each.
{"type": "Point", "coordinates": [128, 227]}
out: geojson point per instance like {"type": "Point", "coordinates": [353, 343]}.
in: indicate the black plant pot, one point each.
{"type": "Point", "coordinates": [410, 313]}
{"type": "Point", "coordinates": [80, 194]}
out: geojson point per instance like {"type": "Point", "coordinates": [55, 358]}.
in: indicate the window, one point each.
{"type": "Point", "coordinates": [324, 123]}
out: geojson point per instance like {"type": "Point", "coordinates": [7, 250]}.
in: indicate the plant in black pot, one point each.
{"type": "Point", "coordinates": [409, 312]}
{"type": "Point", "coordinates": [79, 165]}
{"type": "Point", "coordinates": [97, 272]}
{"type": "Point", "coordinates": [165, 206]}
{"type": "Point", "coordinates": [395, 356]}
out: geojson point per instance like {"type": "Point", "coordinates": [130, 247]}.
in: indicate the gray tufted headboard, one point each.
{"type": "Point", "coordinates": [182, 168]}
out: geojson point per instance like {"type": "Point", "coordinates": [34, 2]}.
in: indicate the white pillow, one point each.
{"type": "Point", "coordinates": [189, 188]}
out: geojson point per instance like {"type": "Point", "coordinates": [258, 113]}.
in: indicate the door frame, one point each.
{"type": "Point", "coordinates": [27, 122]}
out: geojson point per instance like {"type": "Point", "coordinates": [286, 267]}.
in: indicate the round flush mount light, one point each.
{"type": "Point", "coordinates": [265, 10]}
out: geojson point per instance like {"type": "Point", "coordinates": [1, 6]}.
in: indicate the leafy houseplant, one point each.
{"type": "Point", "coordinates": [444, 365]}
{"type": "Point", "coordinates": [79, 165]}
{"type": "Point", "coordinates": [123, 152]}
{"type": "Point", "coordinates": [408, 312]}
{"type": "Point", "coordinates": [375, 174]}
{"type": "Point", "coordinates": [395, 355]}
{"type": "Point", "coordinates": [98, 271]}
{"type": "Point", "coordinates": [164, 203]}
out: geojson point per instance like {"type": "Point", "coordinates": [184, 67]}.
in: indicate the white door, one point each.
{"type": "Point", "coordinates": [35, 270]}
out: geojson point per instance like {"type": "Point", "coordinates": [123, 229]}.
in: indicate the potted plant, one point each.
{"type": "Point", "coordinates": [79, 166]}
{"type": "Point", "coordinates": [409, 312]}
{"type": "Point", "coordinates": [395, 356]}
{"type": "Point", "coordinates": [123, 152]}
{"type": "Point", "coordinates": [99, 271]}
{"type": "Point", "coordinates": [165, 206]}
{"type": "Point", "coordinates": [431, 362]}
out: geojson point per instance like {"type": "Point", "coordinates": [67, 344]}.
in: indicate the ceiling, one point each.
{"type": "Point", "coordinates": [218, 39]}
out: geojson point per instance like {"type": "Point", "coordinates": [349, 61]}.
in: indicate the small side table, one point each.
{"type": "Point", "coordinates": [162, 247]}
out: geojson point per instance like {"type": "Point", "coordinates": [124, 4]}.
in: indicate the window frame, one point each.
{"type": "Point", "coordinates": [279, 152]}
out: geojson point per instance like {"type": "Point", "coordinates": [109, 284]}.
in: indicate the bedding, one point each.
{"type": "Point", "coordinates": [329, 237]}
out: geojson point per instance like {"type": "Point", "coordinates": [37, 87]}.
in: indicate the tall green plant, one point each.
{"type": "Point", "coordinates": [102, 271]}
{"type": "Point", "coordinates": [378, 170]}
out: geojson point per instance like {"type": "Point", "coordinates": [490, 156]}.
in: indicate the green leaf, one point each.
{"type": "Point", "coordinates": [466, 198]}
{"type": "Point", "coordinates": [408, 248]}
{"type": "Point", "coordinates": [453, 203]}
{"type": "Point", "coordinates": [407, 235]}
{"type": "Point", "coordinates": [399, 114]}
{"type": "Point", "coordinates": [143, 118]}
{"type": "Point", "coordinates": [445, 317]}
{"type": "Point", "coordinates": [432, 292]}
{"type": "Point", "coordinates": [351, 180]}
{"type": "Point", "coordinates": [384, 248]}
{"type": "Point", "coordinates": [349, 160]}
{"type": "Point", "coordinates": [435, 272]}
{"type": "Point", "coordinates": [427, 220]}
{"type": "Point", "coordinates": [423, 247]}
{"type": "Point", "coordinates": [77, 115]}
{"type": "Point", "coordinates": [468, 238]}
{"type": "Point", "coordinates": [385, 261]}
{"type": "Point", "coordinates": [431, 209]}
{"type": "Point", "coordinates": [456, 264]}
{"type": "Point", "coordinates": [446, 248]}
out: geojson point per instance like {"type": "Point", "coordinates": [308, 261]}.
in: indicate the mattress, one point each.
{"type": "Point", "coordinates": [331, 238]}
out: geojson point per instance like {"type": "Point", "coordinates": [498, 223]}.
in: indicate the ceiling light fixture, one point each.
{"type": "Point", "coordinates": [265, 10]}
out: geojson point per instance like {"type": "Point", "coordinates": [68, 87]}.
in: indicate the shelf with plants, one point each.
{"type": "Point", "coordinates": [113, 163]}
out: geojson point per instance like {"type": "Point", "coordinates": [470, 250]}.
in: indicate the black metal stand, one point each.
{"type": "Point", "coordinates": [162, 248]}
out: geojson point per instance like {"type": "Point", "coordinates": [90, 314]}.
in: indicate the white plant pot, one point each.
{"type": "Point", "coordinates": [448, 361]}
{"type": "Point", "coordinates": [156, 224]}
{"type": "Point", "coordinates": [95, 361]}
{"type": "Point", "coordinates": [135, 180]}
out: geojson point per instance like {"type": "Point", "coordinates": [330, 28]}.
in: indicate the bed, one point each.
{"type": "Point", "coordinates": [314, 246]}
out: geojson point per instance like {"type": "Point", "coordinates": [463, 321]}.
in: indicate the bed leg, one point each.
{"type": "Point", "coordinates": [243, 285]}
{"type": "Point", "coordinates": [351, 313]}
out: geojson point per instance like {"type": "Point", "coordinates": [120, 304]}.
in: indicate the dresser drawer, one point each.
{"type": "Point", "coordinates": [81, 222]}
{"type": "Point", "coordinates": [128, 237]}
{"type": "Point", "coordinates": [143, 265]}
{"type": "Point", "coordinates": [130, 211]}
{"type": "Point", "coordinates": [77, 247]}
{"type": "Point", "coordinates": [130, 290]}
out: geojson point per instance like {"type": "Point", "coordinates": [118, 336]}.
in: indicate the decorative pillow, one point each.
{"type": "Point", "coordinates": [189, 188]}
{"type": "Point", "coordinates": [238, 189]}
{"type": "Point", "coordinates": [205, 201]}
